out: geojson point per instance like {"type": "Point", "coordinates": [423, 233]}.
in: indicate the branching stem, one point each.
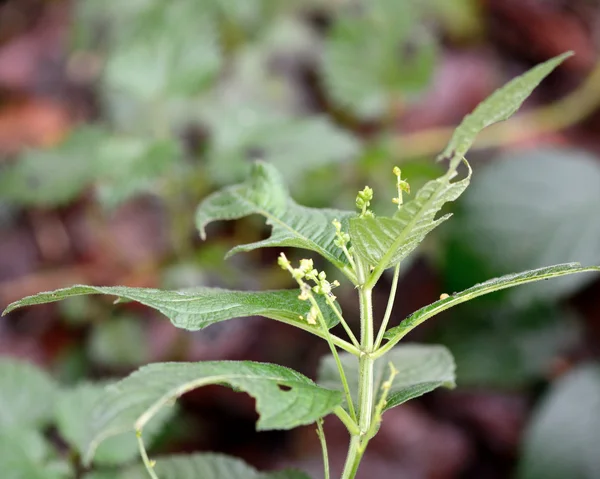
{"type": "Point", "coordinates": [388, 309]}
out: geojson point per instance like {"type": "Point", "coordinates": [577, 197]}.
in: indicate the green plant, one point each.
{"type": "Point", "coordinates": [356, 385]}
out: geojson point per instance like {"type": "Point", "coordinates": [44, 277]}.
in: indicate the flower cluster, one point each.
{"type": "Point", "coordinates": [307, 271]}
{"type": "Point", "coordinates": [363, 201]}
{"type": "Point", "coordinates": [402, 185]}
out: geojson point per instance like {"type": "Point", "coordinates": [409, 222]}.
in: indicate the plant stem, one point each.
{"type": "Point", "coordinates": [321, 434]}
{"type": "Point", "coordinates": [358, 442]}
{"type": "Point", "coordinates": [342, 321]}
{"type": "Point", "coordinates": [149, 464]}
{"type": "Point", "coordinates": [388, 309]}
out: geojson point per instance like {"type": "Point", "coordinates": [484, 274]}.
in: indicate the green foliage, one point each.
{"type": "Point", "coordinates": [198, 308]}
{"type": "Point", "coordinates": [284, 398]}
{"type": "Point", "coordinates": [499, 106]}
{"type": "Point", "coordinates": [421, 369]}
{"type": "Point", "coordinates": [75, 407]}
{"type": "Point", "coordinates": [384, 242]}
{"type": "Point", "coordinates": [570, 411]}
{"type": "Point", "coordinates": [514, 217]}
{"type": "Point", "coordinates": [360, 245]}
{"type": "Point", "coordinates": [293, 225]}
{"type": "Point", "coordinates": [493, 285]}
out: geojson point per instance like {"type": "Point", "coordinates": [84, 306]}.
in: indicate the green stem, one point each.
{"type": "Point", "coordinates": [358, 442]}
{"type": "Point", "coordinates": [342, 321]}
{"type": "Point", "coordinates": [321, 434]}
{"type": "Point", "coordinates": [388, 309]}
{"type": "Point", "coordinates": [149, 464]}
{"type": "Point", "coordinates": [335, 355]}
{"type": "Point", "coordinates": [350, 423]}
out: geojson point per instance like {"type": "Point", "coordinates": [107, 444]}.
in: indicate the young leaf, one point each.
{"type": "Point", "coordinates": [497, 107]}
{"type": "Point", "coordinates": [395, 334]}
{"type": "Point", "coordinates": [421, 369]}
{"type": "Point", "coordinates": [74, 408]}
{"type": "Point", "coordinates": [293, 225]}
{"type": "Point", "coordinates": [284, 398]}
{"type": "Point", "coordinates": [22, 386]}
{"type": "Point", "coordinates": [384, 242]}
{"type": "Point", "coordinates": [198, 308]}
{"type": "Point", "coordinates": [562, 439]}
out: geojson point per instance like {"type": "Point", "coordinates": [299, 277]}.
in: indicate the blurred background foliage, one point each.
{"type": "Point", "coordinates": [117, 118]}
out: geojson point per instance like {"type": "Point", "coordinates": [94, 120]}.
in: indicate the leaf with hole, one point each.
{"type": "Point", "coordinates": [284, 398]}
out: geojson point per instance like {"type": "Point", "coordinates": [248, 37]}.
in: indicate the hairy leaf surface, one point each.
{"type": "Point", "coordinates": [293, 225]}
{"type": "Point", "coordinates": [499, 106]}
{"type": "Point", "coordinates": [496, 284]}
{"type": "Point", "coordinates": [421, 369]}
{"type": "Point", "coordinates": [384, 242]}
{"type": "Point", "coordinates": [198, 308]}
{"type": "Point", "coordinates": [284, 398]}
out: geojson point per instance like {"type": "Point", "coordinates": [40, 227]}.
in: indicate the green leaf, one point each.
{"type": "Point", "coordinates": [170, 50]}
{"type": "Point", "coordinates": [24, 454]}
{"type": "Point", "coordinates": [198, 308]}
{"type": "Point", "coordinates": [499, 106]}
{"type": "Point", "coordinates": [562, 439]}
{"type": "Point", "coordinates": [22, 386]}
{"type": "Point", "coordinates": [199, 466]}
{"type": "Point", "coordinates": [421, 369]}
{"type": "Point", "coordinates": [496, 284]}
{"type": "Point", "coordinates": [396, 58]}
{"type": "Point", "coordinates": [284, 398]}
{"type": "Point", "coordinates": [528, 209]}
{"type": "Point", "coordinates": [74, 408]}
{"type": "Point", "coordinates": [384, 242]}
{"type": "Point", "coordinates": [293, 225]}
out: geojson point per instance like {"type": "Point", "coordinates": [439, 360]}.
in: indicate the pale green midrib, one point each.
{"type": "Point", "coordinates": [147, 415]}
{"type": "Point", "coordinates": [262, 211]}
{"type": "Point", "coordinates": [402, 331]}
{"type": "Point", "coordinates": [406, 231]}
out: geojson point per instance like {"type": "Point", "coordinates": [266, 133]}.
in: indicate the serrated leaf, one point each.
{"type": "Point", "coordinates": [293, 225]}
{"type": "Point", "coordinates": [421, 369]}
{"type": "Point", "coordinates": [514, 217]}
{"type": "Point", "coordinates": [562, 439]}
{"type": "Point", "coordinates": [284, 398]}
{"type": "Point", "coordinates": [498, 107]}
{"type": "Point", "coordinates": [24, 454]}
{"type": "Point", "coordinates": [198, 308]}
{"type": "Point", "coordinates": [395, 57]}
{"type": "Point", "coordinates": [21, 387]}
{"type": "Point", "coordinates": [384, 242]}
{"type": "Point", "coordinates": [74, 407]}
{"type": "Point", "coordinates": [496, 284]}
